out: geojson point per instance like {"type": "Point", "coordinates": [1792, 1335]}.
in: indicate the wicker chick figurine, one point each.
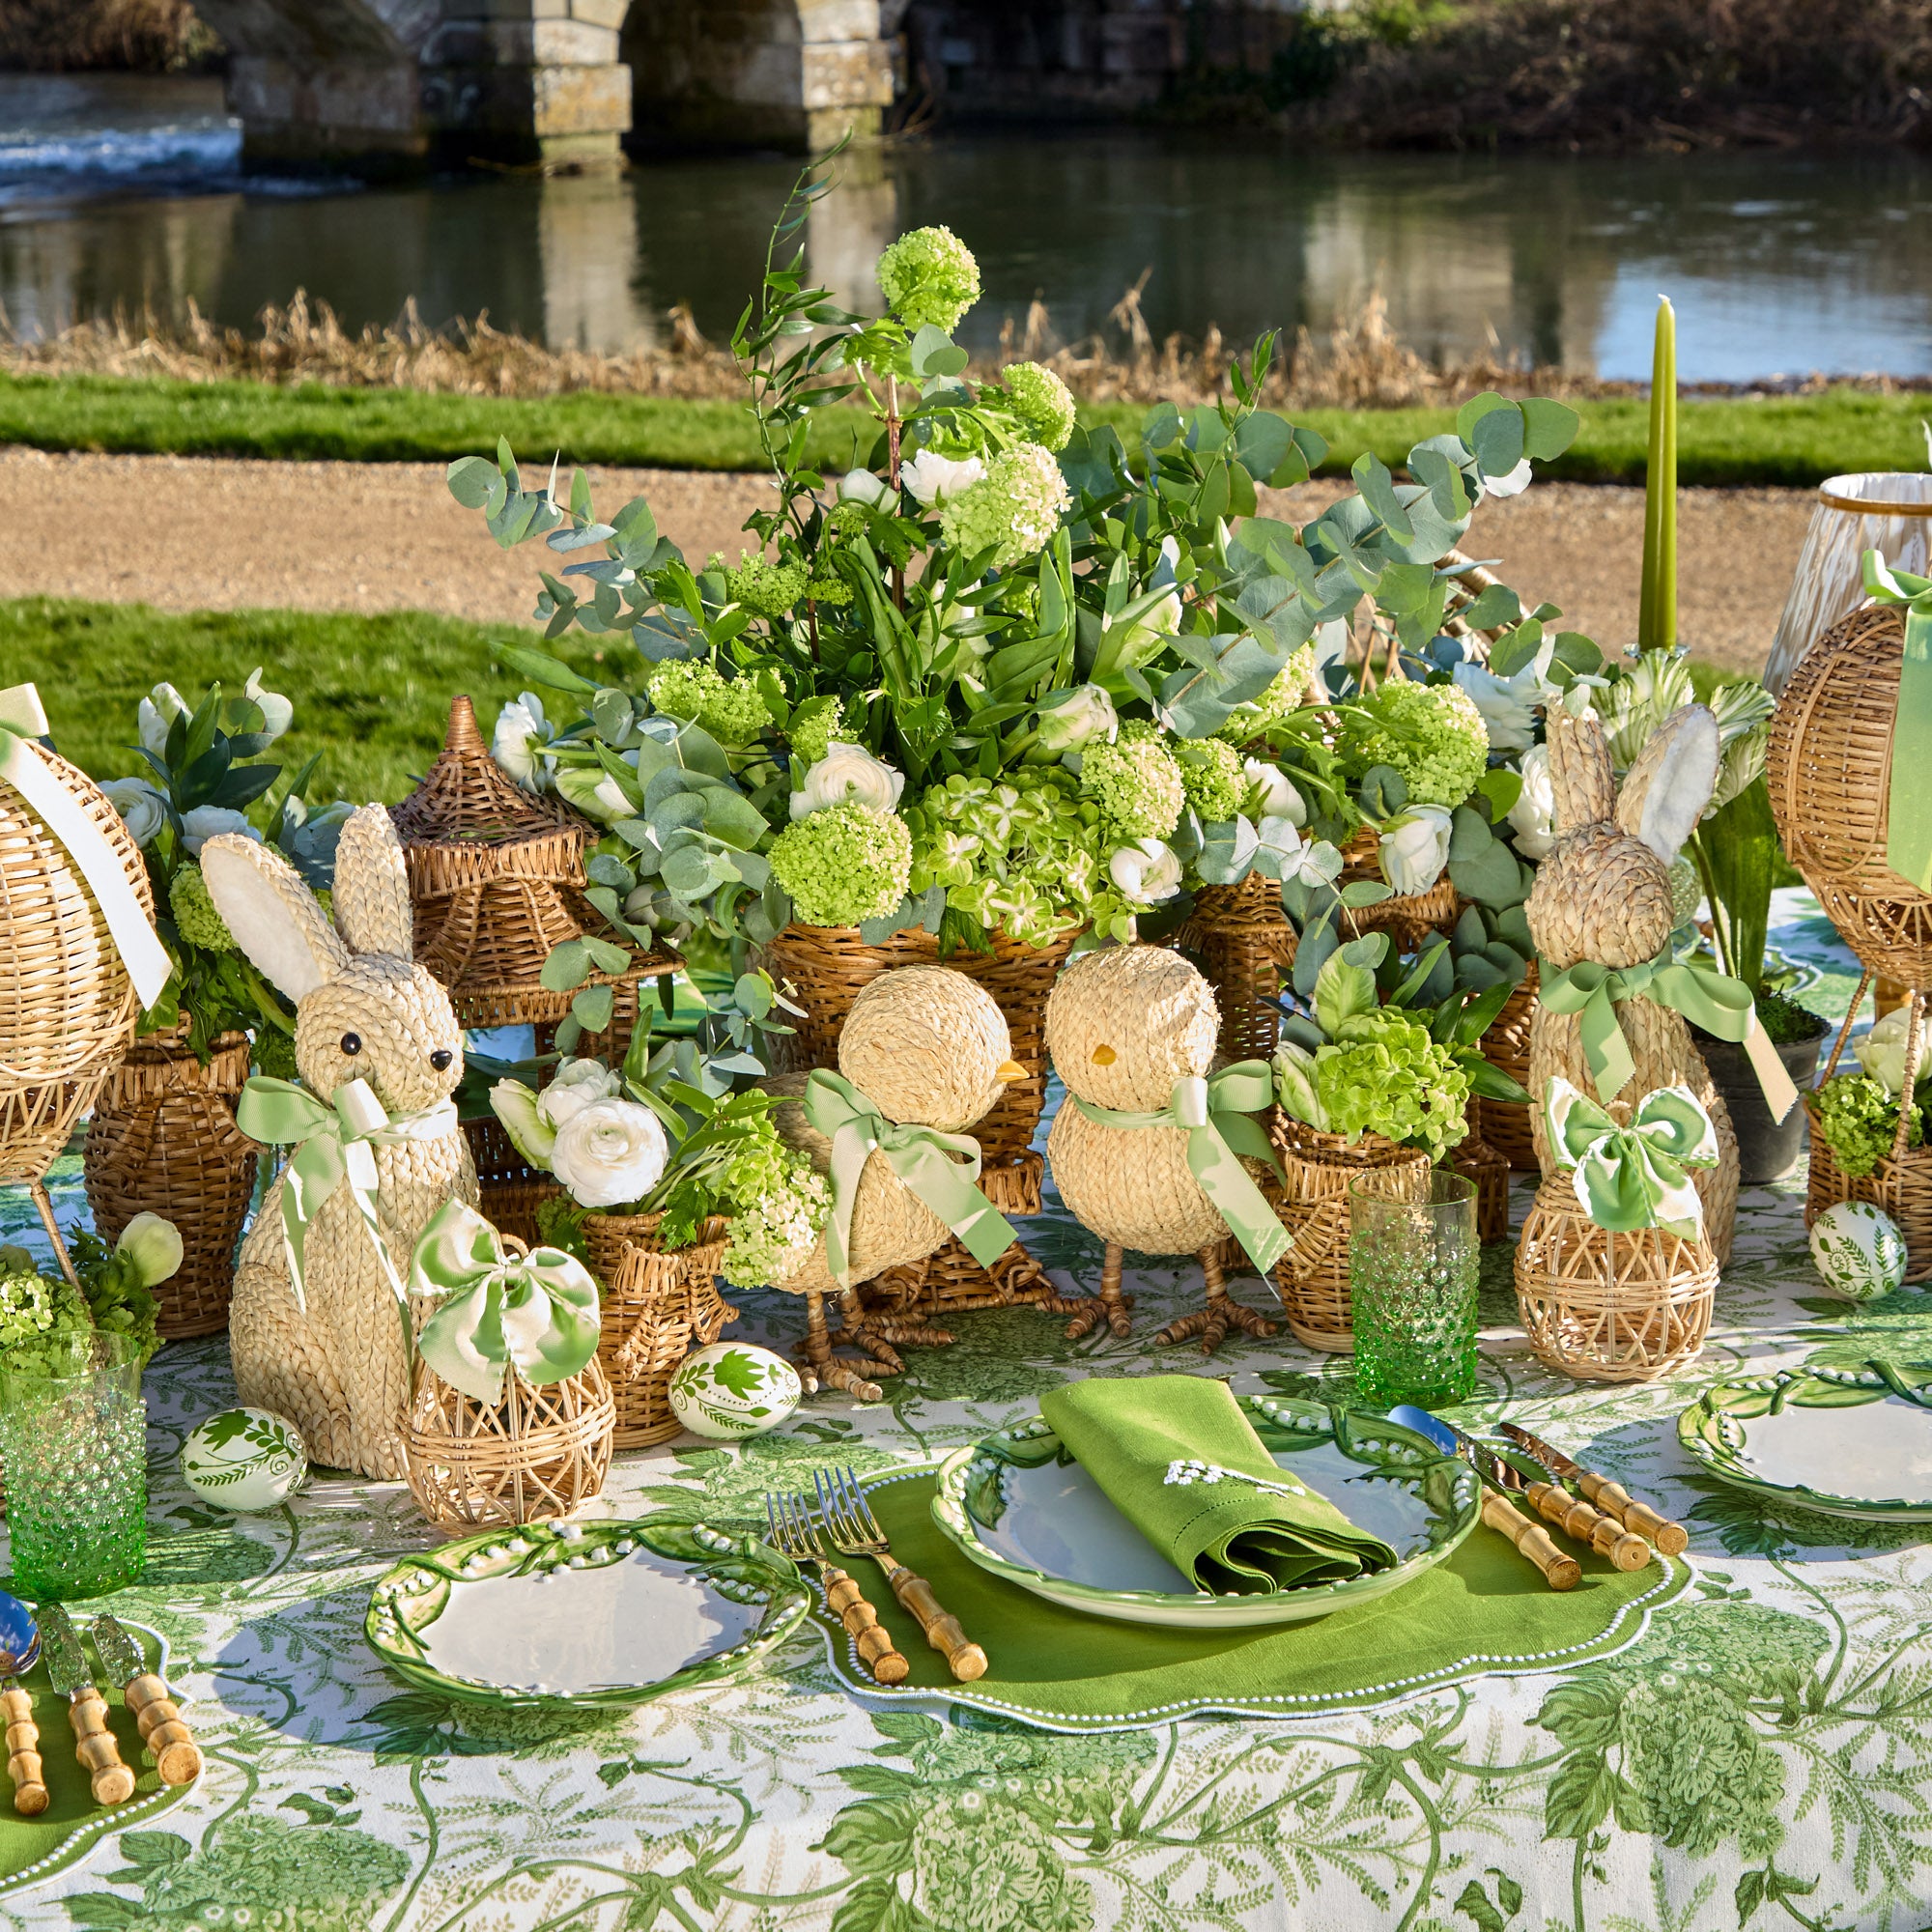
{"type": "Point", "coordinates": [1602, 894]}
{"type": "Point", "coordinates": [1123, 1026]}
{"type": "Point", "coordinates": [928, 1048]}
{"type": "Point", "coordinates": [372, 1025]}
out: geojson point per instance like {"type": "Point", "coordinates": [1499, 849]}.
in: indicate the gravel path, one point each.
{"type": "Point", "coordinates": [200, 533]}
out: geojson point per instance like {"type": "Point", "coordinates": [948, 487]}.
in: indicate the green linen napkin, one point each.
{"type": "Point", "coordinates": [1170, 1451]}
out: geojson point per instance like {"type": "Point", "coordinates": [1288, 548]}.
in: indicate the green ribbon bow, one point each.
{"type": "Point", "coordinates": [1633, 1176]}
{"type": "Point", "coordinates": [536, 1314]}
{"type": "Point", "coordinates": [1908, 828]}
{"type": "Point", "coordinates": [1719, 1005]}
{"type": "Point", "coordinates": [24, 767]}
{"type": "Point", "coordinates": [1217, 1113]}
{"type": "Point", "coordinates": [333, 1145]}
{"type": "Point", "coordinates": [923, 1158]}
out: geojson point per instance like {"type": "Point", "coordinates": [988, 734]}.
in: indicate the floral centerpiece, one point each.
{"type": "Point", "coordinates": [112, 1294]}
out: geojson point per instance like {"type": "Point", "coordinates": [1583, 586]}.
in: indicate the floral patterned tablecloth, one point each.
{"type": "Point", "coordinates": [1762, 1755]}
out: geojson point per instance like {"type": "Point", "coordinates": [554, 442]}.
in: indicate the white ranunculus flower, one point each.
{"type": "Point", "coordinates": [861, 486]}
{"type": "Point", "coordinates": [210, 821]}
{"type": "Point", "coordinates": [848, 775]}
{"type": "Point", "coordinates": [610, 1152]}
{"type": "Point", "coordinates": [1146, 870]}
{"type": "Point", "coordinates": [1505, 702]}
{"type": "Point", "coordinates": [595, 793]}
{"type": "Point", "coordinates": [141, 805]}
{"type": "Point", "coordinates": [517, 744]}
{"type": "Point", "coordinates": [1882, 1051]}
{"type": "Point", "coordinates": [1072, 718]}
{"type": "Point", "coordinates": [572, 1087]}
{"type": "Point", "coordinates": [277, 713]}
{"type": "Point", "coordinates": [932, 478]}
{"type": "Point", "coordinates": [155, 1245]}
{"type": "Point", "coordinates": [1279, 797]}
{"type": "Point", "coordinates": [158, 710]}
{"type": "Point", "coordinates": [1533, 815]}
{"type": "Point", "coordinates": [1514, 484]}
{"type": "Point", "coordinates": [1415, 848]}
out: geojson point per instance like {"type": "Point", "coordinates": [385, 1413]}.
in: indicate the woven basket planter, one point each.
{"type": "Point", "coordinates": [1505, 1123]}
{"type": "Point", "coordinates": [1478, 1162]}
{"type": "Point", "coordinates": [163, 1140]}
{"type": "Point", "coordinates": [1605, 1307]}
{"type": "Point", "coordinates": [1241, 940]}
{"type": "Point", "coordinates": [537, 1456]}
{"type": "Point", "coordinates": [658, 1305]}
{"type": "Point", "coordinates": [510, 1191]}
{"type": "Point", "coordinates": [1829, 767]}
{"type": "Point", "coordinates": [1406, 917]}
{"type": "Point", "coordinates": [1902, 1188]}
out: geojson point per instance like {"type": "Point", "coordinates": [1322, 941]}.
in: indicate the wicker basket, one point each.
{"type": "Point", "coordinates": [1406, 917]}
{"type": "Point", "coordinates": [1607, 1307]}
{"type": "Point", "coordinates": [1241, 940]}
{"type": "Point", "coordinates": [1829, 767]}
{"type": "Point", "coordinates": [163, 1140]}
{"type": "Point", "coordinates": [510, 1191]}
{"type": "Point", "coordinates": [658, 1305]}
{"type": "Point", "coordinates": [1312, 1278]}
{"type": "Point", "coordinates": [1478, 1162]}
{"type": "Point", "coordinates": [1506, 1124]}
{"type": "Point", "coordinates": [537, 1456]}
{"type": "Point", "coordinates": [1902, 1187]}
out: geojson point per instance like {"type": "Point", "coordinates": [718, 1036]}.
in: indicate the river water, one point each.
{"type": "Point", "coordinates": [129, 192]}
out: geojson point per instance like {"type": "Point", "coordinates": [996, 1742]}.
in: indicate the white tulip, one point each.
{"type": "Point", "coordinates": [595, 793]}
{"type": "Point", "coordinates": [515, 1106]}
{"type": "Point", "coordinates": [139, 804]}
{"type": "Point", "coordinates": [277, 713]}
{"type": "Point", "coordinates": [210, 821]}
{"type": "Point", "coordinates": [1533, 815]}
{"type": "Point", "coordinates": [1146, 870]}
{"type": "Point", "coordinates": [861, 486]}
{"type": "Point", "coordinates": [575, 1086]}
{"type": "Point", "coordinates": [158, 710]}
{"type": "Point", "coordinates": [1505, 702]}
{"type": "Point", "coordinates": [154, 1244]}
{"type": "Point", "coordinates": [932, 478]}
{"type": "Point", "coordinates": [517, 744]}
{"type": "Point", "coordinates": [848, 775]}
{"type": "Point", "coordinates": [1072, 718]}
{"type": "Point", "coordinates": [1882, 1051]}
{"type": "Point", "coordinates": [1279, 797]}
{"type": "Point", "coordinates": [1415, 848]}
{"type": "Point", "coordinates": [610, 1152]}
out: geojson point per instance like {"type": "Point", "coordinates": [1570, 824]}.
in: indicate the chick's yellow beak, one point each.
{"type": "Point", "coordinates": [1104, 1056]}
{"type": "Point", "coordinates": [1009, 1073]}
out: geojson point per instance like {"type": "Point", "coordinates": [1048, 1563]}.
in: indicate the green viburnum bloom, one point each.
{"type": "Point", "coordinates": [1858, 1121]}
{"type": "Point", "coordinates": [1431, 733]}
{"type": "Point", "coordinates": [1384, 1075]}
{"type": "Point", "coordinates": [772, 1233]}
{"type": "Point", "coordinates": [767, 587]}
{"type": "Point", "coordinates": [1286, 693]}
{"type": "Point", "coordinates": [1135, 780]}
{"type": "Point", "coordinates": [1212, 778]}
{"type": "Point", "coordinates": [1041, 404]}
{"type": "Point", "coordinates": [814, 726]}
{"type": "Point", "coordinates": [843, 865]}
{"type": "Point", "coordinates": [929, 278]}
{"type": "Point", "coordinates": [688, 688]}
{"type": "Point", "coordinates": [195, 915]}
{"type": "Point", "coordinates": [1013, 511]}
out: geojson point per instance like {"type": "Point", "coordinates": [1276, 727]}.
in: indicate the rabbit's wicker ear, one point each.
{"type": "Point", "coordinates": [275, 918]}
{"type": "Point", "coordinates": [372, 885]}
{"type": "Point", "coordinates": [1671, 782]}
{"type": "Point", "coordinates": [1581, 779]}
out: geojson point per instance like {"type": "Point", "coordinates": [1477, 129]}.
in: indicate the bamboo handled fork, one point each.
{"type": "Point", "coordinates": [796, 1534]}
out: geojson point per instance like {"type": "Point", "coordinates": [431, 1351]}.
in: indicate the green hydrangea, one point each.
{"type": "Point", "coordinates": [33, 1307]}
{"type": "Point", "coordinates": [194, 911]}
{"type": "Point", "coordinates": [732, 711]}
{"type": "Point", "coordinates": [843, 865]}
{"type": "Point", "coordinates": [814, 726]}
{"type": "Point", "coordinates": [829, 587]}
{"type": "Point", "coordinates": [1286, 693]}
{"type": "Point", "coordinates": [929, 278]}
{"type": "Point", "coordinates": [1384, 1075]}
{"type": "Point", "coordinates": [1858, 1121]}
{"type": "Point", "coordinates": [1135, 780]}
{"type": "Point", "coordinates": [1431, 733]}
{"type": "Point", "coordinates": [1211, 778]}
{"type": "Point", "coordinates": [767, 587]}
{"type": "Point", "coordinates": [1013, 511]}
{"type": "Point", "coordinates": [1041, 404]}
{"type": "Point", "coordinates": [775, 1226]}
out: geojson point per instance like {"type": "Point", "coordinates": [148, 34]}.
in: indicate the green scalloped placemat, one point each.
{"type": "Point", "coordinates": [1483, 1613]}
{"type": "Point", "coordinates": [34, 1850]}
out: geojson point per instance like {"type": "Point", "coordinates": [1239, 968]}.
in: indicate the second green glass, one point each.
{"type": "Point", "coordinates": [1412, 1275]}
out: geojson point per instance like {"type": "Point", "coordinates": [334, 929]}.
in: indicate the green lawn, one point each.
{"type": "Point", "coordinates": [371, 693]}
{"type": "Point", "coordinates": [1791, 440]}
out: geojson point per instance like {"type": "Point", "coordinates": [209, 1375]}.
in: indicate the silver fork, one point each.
{"type": "Point", "coordinates": [848, 1519]}
{"type": "Point", "coordinates": [794, 1532]}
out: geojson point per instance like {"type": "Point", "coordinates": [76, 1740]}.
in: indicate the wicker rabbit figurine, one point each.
{"type": "Point", "coordinates": [374, 1037]}
{"type": "Point", "coordinates": [1602, 894]}
{"type": "Point", "coordinates": [1125, 1027]}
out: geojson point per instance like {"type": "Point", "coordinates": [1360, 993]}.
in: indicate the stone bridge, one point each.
{"type": "Point", "coordinates": [380, 85]}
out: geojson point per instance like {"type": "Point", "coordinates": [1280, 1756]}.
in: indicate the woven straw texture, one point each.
{"type": "Point", "coordinates": [539, 1454]}
{"type": "Point", "coordinates": [1477, 1161]}
{"type": "Point", "coordinates": [1132, 1186]}
{"type": "Point", "coordinates": [1240, 939]}
{"type": "Point", "coordinates": [510, 1191]}
{"type": "Point", "coordinates": [67, 1005]}
{"type": "Point", "coordinates": [926, 1045]}
{"type": "Point", "coordinates": [163, 1140]}
{"type": "Point", "coordinates": [1902, 1187]}
{"type": "Point", "coordinates": [658, 1305]}
{"type": "Point", "coordinates": [1506, 1124]}
{"type": "Point", "coordinates": [1408, 915]}
{"type": "Point", "coordinates": [1605, 1307]}
{"type": "Point", "coordinates": [1829, 767]}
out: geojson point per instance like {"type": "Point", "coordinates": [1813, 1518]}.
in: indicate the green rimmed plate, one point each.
{"type": "Point", "coordinates": [1020, 1507]}
{"type": "Point", "coordinates": [587, 1616]}
{"type": "Point", "coordinates": [1844, 1442]}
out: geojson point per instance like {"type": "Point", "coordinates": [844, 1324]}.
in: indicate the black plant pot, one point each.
{"type": "Point", "coordinates": [1767, 1149]}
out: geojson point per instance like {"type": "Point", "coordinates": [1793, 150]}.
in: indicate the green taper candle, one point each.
{"type": "Point", "coordinates": [1657, 608]}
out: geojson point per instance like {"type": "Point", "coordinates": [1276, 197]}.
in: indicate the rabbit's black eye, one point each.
{"type": "Point", "coordinates": [440, 1059]}
{"type": "Point", "coordinates": [351, 1042]}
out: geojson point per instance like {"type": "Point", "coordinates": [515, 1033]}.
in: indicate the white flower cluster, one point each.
{"type": "Point", "coordinates": [607, 1150]}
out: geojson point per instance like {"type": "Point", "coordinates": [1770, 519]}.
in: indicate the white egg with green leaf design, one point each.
{"type": "Point", "coordinates": [244, 1458]}
{"type": "Point", "coordinates": [731, 1389]}
{"type": "Point", "coordinates": [1859, 1250]}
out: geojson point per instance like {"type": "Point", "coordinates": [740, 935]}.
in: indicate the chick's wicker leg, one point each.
{"type": "Point", "coordinates": [1221, 1313]}
{"type": "Point", "coordinates": [820, 1368]}
{"type": "Point", "coordinates": [1087, 1310]}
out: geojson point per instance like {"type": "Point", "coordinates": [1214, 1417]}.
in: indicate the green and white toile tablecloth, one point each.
{"type": "Point", "coordinates": [1761, 1756]}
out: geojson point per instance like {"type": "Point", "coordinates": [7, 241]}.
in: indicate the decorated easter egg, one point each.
{"type": "Point", "coordinates": [244, 1458]}
{"type": "Point", "coordinates": [733, 1389]}
{"type": "Point", "coordinates": [1859, 1250]}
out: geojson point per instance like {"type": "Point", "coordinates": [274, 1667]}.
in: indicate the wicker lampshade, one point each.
{"type": "Point", "coordinates": [1829, 772]}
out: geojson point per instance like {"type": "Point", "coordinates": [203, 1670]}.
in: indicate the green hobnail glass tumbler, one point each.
{"type": "Point", "coordinates": [1414, 1265]}
{"type": "Point", "coordinates": [73, 1448]}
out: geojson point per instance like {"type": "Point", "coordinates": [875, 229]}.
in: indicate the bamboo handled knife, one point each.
{"type": "Point", "coordinates": [1612, 1498]}
{"type": "Point", "coordinates": [177, 1756]}
{"type": "Point", "coordinates": [19, 1652]}
{"type": "Point", "coordinates": [94, 1744]}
